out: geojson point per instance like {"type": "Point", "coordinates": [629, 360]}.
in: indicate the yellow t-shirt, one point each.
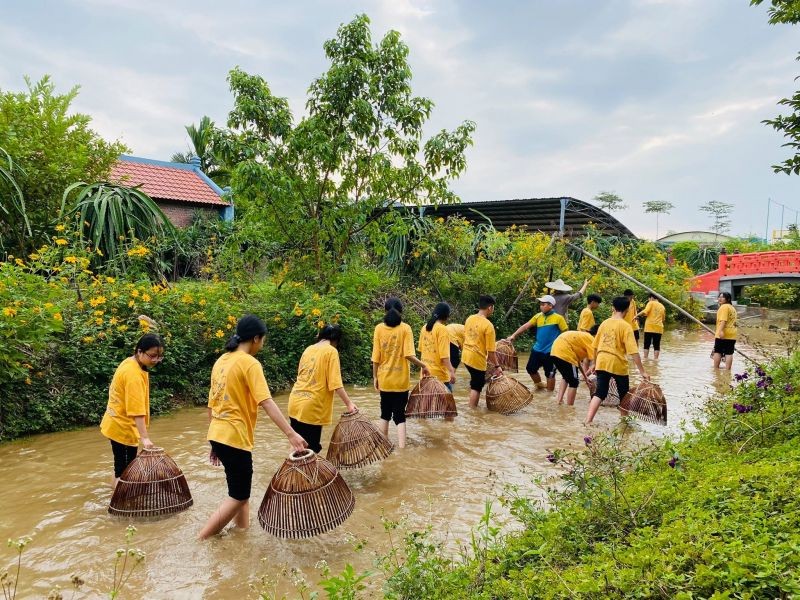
{"type": "Point", "coordinates": [630, 316]}
{"type": "Point", "coordinates": [573, 347]}
{"type": "Point", "coordinates": [434, 345]}
{"type": "Point", "coordinates": [727, 313]}
{"type": "Point", "coordinates": [238, 386]}
{"type": "Point", "coordinates": [390, 346]}
{"type": "Point", "coordinates": [456, 333]}
{"type": "Point", "coordinates": [479, 340]}
{"type": "Point", "coordinates": [655, 314]}
{"type": "Point", "coordinates": [128, 397]}
{"type": "Point", "coordinates": [612, 345]}
{"type": "Point", "coordinates": [586, 320]}
{"type": "Point", "coordinates": [318, 375]}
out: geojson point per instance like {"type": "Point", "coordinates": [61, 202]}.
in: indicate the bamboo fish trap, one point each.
{"type": "Point", "coordinates": [306, 497]}
{"type": "Point", "coordinates": [612, 398]}
{"type": "Point", "coordinates": [507, 356]}
{"type": "Point", "coordinates": [646, 402]}
{"type": "Point", "coordinates": [430, 399]}
{"type": "Point", "coordinates": [357, 442]}
{"type": "Point", "coordinates": [151, 486]}
{"type": "Point", "coordinates": [507, 395]}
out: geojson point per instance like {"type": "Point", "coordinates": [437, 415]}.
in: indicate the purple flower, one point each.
{"type": "Point", "coordinates": [673, 461]}
{"type": "Point", "coordinates": [551, 458]}
{"type": "Point", "coordinates": [587, 440]}
{"type": "Point", "coordinates": [764, 382]}
{"type": "Point", "coordinates": [742, 408]}
{"type": "Point", "coordinates": [741, 376]}
{"type": "Point", "coordinates": [788, 388]}
{"type": "Point", "coordinates": [760, 372]}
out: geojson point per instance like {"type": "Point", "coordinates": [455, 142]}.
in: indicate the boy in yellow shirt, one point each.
{"type": "Point", "coordinates": [586, 320]}
{"type": "Point", "coordinates": [573, 352]}
{"type": "Point", "coordinates": [654, 313]}
{"type": "Point", "coordinates": [725, 338]}
{"type": "Point", "coordinates": [479, 345]}
{"type": "Point", "coordinates": [612, 345]}
{"type": "Point", "coordinates": [456, 333]}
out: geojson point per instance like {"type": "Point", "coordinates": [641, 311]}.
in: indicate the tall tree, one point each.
{"type": "Point", "coordinates": [720, 213]}
{"type": "Point", "coordinates": [658, 207]}
{"type": "Point", "coordinates": [786, 12]}
{"type": "Point", "coordinates": [201, 137]}
{"type": "Point", "coordinates": [318, 186]}
{"type": "Point", "coordinates": [53, 148]}
{"type": "Point", "coordinates": [609, 201]}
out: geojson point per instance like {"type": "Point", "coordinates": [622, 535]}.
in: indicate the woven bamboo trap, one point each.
{"type": "Point", "coordinates": [612, 398]}
{"type": "Point", "coordinates": [430, 399]}
{"type": "Point", "coordinates": [507, 356]}
{"type": "Point", "coordinates": [646, 402]}
{"type": "Point", "coordinates": [151, 486]}
{"type": "Point", "coordinates": [357, 442]}
{"type": "Point", "coordinates": [507, 395]}
{"type": "Point", "coordinates": [306, 496]}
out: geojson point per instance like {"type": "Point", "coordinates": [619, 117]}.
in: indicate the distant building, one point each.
{"type": "Point", "coordinates": [704, 238]}
{"type": "Point", "coordinates": [181, 190]}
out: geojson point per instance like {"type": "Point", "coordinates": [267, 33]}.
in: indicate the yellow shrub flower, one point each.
{"type": "Point", "coordinates": [298, 311]}
{"type": "Point", "coordinates": [146, 298]}
{"type": "Point", "coordinates": [219, 333]}
{"type": "Point", "coordinates": [98, 321]}
{"type": "Point", "coordinates": [316, 312]}
{"type": "Point", "coordinates": [58, 316]}
{"type": "Point", "coordinates": [320, 324]}
{"type": "Point", "coordinates": [33, 256]}
{"type": "Point", "coordinates": [135, 293]}
{"type": "Point", "coordinates": [60, 228]}
{"type": "Point", "coordinates": [202, 302]}
{"type": "Point", "coordinates": [88, 339]}
{"type": "Point", "coordinates": [61, 242]}
{"type": "Point", "coordinates": [9, 312]}
{"type": "Point", "coordinates": [19, 262]}
{"type": "Point", "coordinates": [110, 279]}
{"type": "Point", "coordinates": [97, 301]}
{"type": "Point", "coordinates": [122, 328]}
{"type": "Point", "coordinates": [138, 251]}
{"type": "Point", "coordinates": [48, 305]}
{"type": "Point", "coordinates": [113, 321]}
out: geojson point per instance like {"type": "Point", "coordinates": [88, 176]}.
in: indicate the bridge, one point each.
{"type": "Point", "coordinates": [735, 271]}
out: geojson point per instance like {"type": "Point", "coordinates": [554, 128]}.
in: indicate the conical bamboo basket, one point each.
{"type": "Point", "coordinates": [507, 356]}
{"type": "Point", "coordinates": [646, 402]}
{"type": "Point", "coordinates": [306, 497]}
{"type": "Point", "coordinates": [357, 442]}
{"type": "Point", "coordinates": [612, 399]}
{"type": "Point", "coordinates": [507, 395]}
{"type": "Point", "coordinates": [430, 399]}
{"type": "Point", "coordinates": [151, 486]}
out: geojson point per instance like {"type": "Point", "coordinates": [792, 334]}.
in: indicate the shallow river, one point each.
{"type": "Point", "coordinates": [55, 488]}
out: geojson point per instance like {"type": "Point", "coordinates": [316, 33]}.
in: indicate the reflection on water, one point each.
{"type": "Point", "coordinates": [55, 487]}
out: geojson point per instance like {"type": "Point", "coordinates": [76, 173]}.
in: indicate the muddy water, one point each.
{"type": "Point", "coordinates": [55, 487]}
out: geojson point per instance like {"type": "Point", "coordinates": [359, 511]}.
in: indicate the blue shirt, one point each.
{"type": "Point", "coordinates": [548, 327]}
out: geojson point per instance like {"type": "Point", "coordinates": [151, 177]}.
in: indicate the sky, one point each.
{"type": "Point", "coordinates": [650, 99]}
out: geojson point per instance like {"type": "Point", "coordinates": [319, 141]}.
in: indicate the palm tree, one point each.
{"type": "Point", "coordinates": [201, 138]}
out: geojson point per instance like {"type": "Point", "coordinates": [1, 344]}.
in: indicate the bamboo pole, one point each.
{"type": "Point", "coordinates": [685, 313]}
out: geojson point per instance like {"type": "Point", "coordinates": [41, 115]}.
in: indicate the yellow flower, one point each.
{"type": "Point", "coordinates": [98, 313]}
{"type": "Point", "coordinates": [219, 333]}
{"type": "Point", "coordinates": [135, 293]}
{"type": "Point", "coordinates": [122, 328]}
{"type": "Point", "coordinates": [9, 312]}
{"type": "Point", "coordinates": [79, 304]}
{"type": "Point", "coordinates": [113, 321]}
{"type": "Point", "coordinates": [33, 256]}
{"type": "Point", "coordinates": [298, 311]}
{"type": "Point", "coordinates": [70, 259]}
{"type": "Point", "coordinates": [28, 380]}
{"type": "Point", "coordinates": [19, 262]}
{"type": "Point", "coordinates": [316, 312]}
{"type": "Point", "coordinates": [277, 318]}
{"type": "Point", "coordinates": [88, 339]}
{"type": "Point", "coordinates": [320, 324]}
{"type": "Point", "coordinates": [58, 317]}
{"type": "Point", "coordinates": [97, 300]}
{"type": "Point", "coordinates": [60, 228]}
{"type": "Point", "coordinates": [110, 279]}
{"type": "Point", "coordinates": [99, 320]}
{"type": "Point", "coordinates": [48, 305]}
{"type": "Point", "coordinates": [231, 319]}
{"type": "Point", "coordinates": [146, 298]}
{"type": "Point", "coordinates": [138, 251]}
{"type": "Point", "coordinates": [61, 242]}
{"type": "Point", "coordinates": [131, 304]}
{"type": "Point", "coordinates": [202, 302]}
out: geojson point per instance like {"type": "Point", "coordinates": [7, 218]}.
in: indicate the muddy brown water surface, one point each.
{"type": "Point", "coordinates": [55, 487]}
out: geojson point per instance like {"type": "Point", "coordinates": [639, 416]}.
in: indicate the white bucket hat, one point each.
{"type": "Point", "coordinates": [558, 285]}
{"type": "Point", "coordinates": [547, 298]}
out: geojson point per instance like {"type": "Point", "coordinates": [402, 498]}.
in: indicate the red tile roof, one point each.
{"type": "Point", "coordinates": [165, 181]}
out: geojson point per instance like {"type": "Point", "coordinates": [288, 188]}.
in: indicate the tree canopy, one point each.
{"type": "Point", "coordinates": [315, 186]}
{"type": "Point", "coordinates": [53, 148]}
{"type": "Point", "coordinates": [609, 201]}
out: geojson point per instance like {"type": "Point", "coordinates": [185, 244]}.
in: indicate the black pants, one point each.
{"type": "Point", "coordinates": [238, 465]}
{"type": "Point", "coordinates": [393, 406]}
{"type": "Point", "coordinates": [568, 371]}
{"type": "Point", "coordinates": [455, 355]}
{"type": "Point", "coordinates": [655, 338]}
{"type": "Point", "coordinates": [636, 336]}
{"type": "Point", "coordinates": [310, 433]}
{"type": "Point", "coordinates": [123, 456]}
{"type": "Point", "coordinates": [604, 378]}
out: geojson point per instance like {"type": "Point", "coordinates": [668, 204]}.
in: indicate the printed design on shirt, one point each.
{"type": "Point", "coordinates": [471, 337]}
{"type": "Point", "coordinates": [218, 396]}
{"type": "Point", "coordinates": [306, 370]}
{"type": "Point", "coordinates": [390, 345]}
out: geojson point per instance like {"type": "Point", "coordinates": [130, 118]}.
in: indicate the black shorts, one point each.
{"type": "Point", "coordinates": [636, 336]}
{"type": "Point", "coordinates": [123, 456]}
{"type": "Point", "coordinates": [477, 379]}
{"type": "Point", "coordinates": [455, 355]}
{"type": "Point", "coordinates": [393, 406]}
{"type": "Point", "coordinates": [652, 337]}
{"type": "Point", "coordinates": [724, 347]}
{"type": "Point", "coordinates": [603, 379]}
{"type": "Point", "coordinates": [568, 371]}
{"type": "Point", "coordinates": [540, 359]}
{"type": "Point", "coordinates": [310, 433]}
{"type": "Point", "coordinates": [238, 465]}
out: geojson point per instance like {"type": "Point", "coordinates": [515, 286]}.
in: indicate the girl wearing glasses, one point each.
{"type": "Point", "coordinates": [238, 388]}
{"type": "Point", "coordinates": [127, 415]}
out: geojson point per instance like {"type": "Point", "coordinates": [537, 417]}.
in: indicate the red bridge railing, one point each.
{"type": "Point", "coordinates": [753, 263]}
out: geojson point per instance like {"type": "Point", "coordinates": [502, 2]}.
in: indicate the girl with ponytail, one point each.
{"type": "Point", "coordinates": [392, 351]}
{"type": "Point", "coordinates": [238, 388]}
{"type": "Point", "coordinates": [434, 345]}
